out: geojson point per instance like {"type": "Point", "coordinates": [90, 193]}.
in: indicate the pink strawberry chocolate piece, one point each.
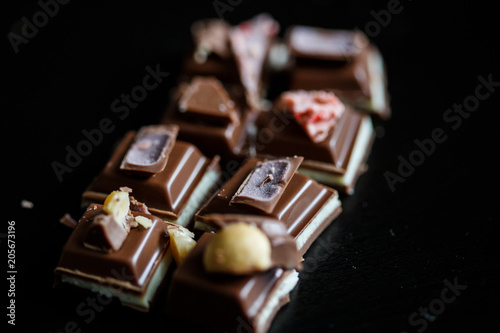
{"type": "Point", "coordinates": [316, 111]}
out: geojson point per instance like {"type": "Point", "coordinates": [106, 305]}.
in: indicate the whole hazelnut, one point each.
{"type": "Point", "coordinates": [238, 248]}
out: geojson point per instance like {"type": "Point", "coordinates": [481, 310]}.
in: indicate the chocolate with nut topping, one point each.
{"type": "Point", "coordinates": [233, 300]}
{"type": "Point", "coordinates": [129, 272]}
{"type": "Point", "coordinates": [284, 251]}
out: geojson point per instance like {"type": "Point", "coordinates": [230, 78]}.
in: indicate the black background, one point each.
{"type": "Point", "coordinates": [388, 254]}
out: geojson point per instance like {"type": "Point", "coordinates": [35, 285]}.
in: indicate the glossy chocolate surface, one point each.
{"type": "Point", "coordinates": [213, 135]}
{"type": "Point", "coordinates": [218, 301]}
{"type": "Point", "coordinates": [167, 192]}
{"type": "Point", "coordinates": [132, 264]}
{"type": "Point", "coordinates": [297, 206]}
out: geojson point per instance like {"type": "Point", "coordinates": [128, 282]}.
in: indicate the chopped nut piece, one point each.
{"type": "Point", "coordinates": [239, 248]}
{"type": "Point", "coordinates": [117, 203]}
{"type": "Point", "coordinates": [144, 221]}
{"type": "Point", "coordinates": [181, 242]}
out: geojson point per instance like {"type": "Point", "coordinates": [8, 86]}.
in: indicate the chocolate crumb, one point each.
{"type": "Point", "coordinates": [68, 221]}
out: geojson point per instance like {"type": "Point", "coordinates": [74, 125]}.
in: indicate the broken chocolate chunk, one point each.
{"type": "Point", "coordinates": [105, 234]}
{"type": "Point", "coordinates": [207, 98]}
{"type": "Point", "coordinates": [264, 185]}
{"type": "Point", "coordinates": [149, 152]}
{"type": "Point", "coordinates": [250, 42]}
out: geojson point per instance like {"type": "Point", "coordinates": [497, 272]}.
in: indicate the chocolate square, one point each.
{"type": "Point", "coordinates": [166, 193]}
{"type": "Point", "coordinates": [126, 271]}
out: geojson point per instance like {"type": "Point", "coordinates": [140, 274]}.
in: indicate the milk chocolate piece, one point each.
{"type": "Point", "coordinates": [210, 53]}
{"type": "Point", "coordinates": [340, 60]}
{"type": "Point", "coordinates": [149, 152]}
{"type": "Point", "coordinates": [210, 36]}
{"type": "Point", "coordinates": [133, 273]}
{"type": "Point", "coordinates": [250, 42]}
{"type": "Point", "coordinates": [208, 100]}
{"type": "Point", "coordinates": [336, 161]}
{"type": "Point", "coordinates": [223, 302]}
{"type": "Point", "coordinates": [213, 132]}
{"type": "Point", "coordinates": [173, 194]}
{"type": "Point", "coordinates": [284, 252]}
{"type": "Point", "coordinates": [264, 186]}
{"type": "Point", "coordinates": [305, 207]}
{"type": "Point", "coordinates": [105, 234]}
{"type": "Point", "coordinates": [335, 45]}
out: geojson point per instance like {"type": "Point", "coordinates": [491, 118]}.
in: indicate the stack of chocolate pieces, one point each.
{"type": "Point", "coordinates": [230, 249]}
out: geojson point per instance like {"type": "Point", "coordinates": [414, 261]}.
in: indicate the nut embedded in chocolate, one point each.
{"type": "Point", "coordinates": [239, 248]}
{"type": "Point", "coordinates": [284, 251]}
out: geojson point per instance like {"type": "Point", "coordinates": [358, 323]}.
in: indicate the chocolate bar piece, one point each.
{"type": "Point", "coordinates": [207, 99]}
{"type": "Point", "coordinates": [149, 152]}
{"type": "Point", "coordinates": [305, 207]}
{"type": "Point", "coordinates": [340, 60]}
{"type": "Point", "coordinates": [211, 53]}
{"type": "Point", "coordinates": [133, 272]}
{"type": "Point", "coordinates": [223, 302]}
{"type": "Point", "coordinates": [337, 160]}
{"type": "Point", "coordinates": [173, 193]}
{"type": "Point", "coordinates": [211, 116]}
